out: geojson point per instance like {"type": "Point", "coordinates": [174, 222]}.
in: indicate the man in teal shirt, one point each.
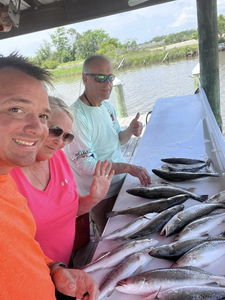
{"type": "Point", "coordinates": [98, 136]}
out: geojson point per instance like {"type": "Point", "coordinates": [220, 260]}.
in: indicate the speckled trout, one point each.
{"type": "Point", "coordinates": [149, 282]}
{"type": "Point", "coordinates": [156, 224]}
{"type": "Point", "coordinates": [131, 265]}
{"type": "Point", "coordinates": [153, 206]}
{"type": "Point", "coordinates": [181, 219]}
{"type": "Point", "coordinates": [201, 226]}
{"type": "Point", "coordinates": [182, 176]}
{"type": "Point", "coordinates": [182, 160]}
{"type": "Point", "coordinates": [217, 198]}
{"type": "Point", "coordinates": [175, 250]}
{"type": "Point", "coordinates": [158, 192]}
{"type": "Point", "coordinates": [190, 293]}
{"type": "Point", "coordinates": [202, 255]}
{"type": "Point", "coordinates": [114, 257]}
{"type": "Point", "coordinates": [130, 228]}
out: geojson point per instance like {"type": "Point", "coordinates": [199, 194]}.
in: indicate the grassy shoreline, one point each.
{"type": "Point", "coordinates": [135, 58]}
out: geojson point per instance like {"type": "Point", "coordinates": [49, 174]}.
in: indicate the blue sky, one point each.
{"type": "Point", "coordinates": [140, 24]}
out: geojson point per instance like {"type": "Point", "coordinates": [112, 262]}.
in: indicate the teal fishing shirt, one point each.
{"type": "Point", "coordinates": [96, 138]}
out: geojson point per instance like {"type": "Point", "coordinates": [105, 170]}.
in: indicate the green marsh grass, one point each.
{"type": "Point", "coordinates": [134, 58]}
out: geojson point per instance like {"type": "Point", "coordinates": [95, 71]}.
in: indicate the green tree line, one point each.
{"type": "Point", "coordinates": [70, 46]}
{"type": "Point", "coordinates": [176, 37]}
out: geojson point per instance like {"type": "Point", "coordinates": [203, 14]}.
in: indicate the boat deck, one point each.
{"type": "Point", "coordinates": [83, 255]}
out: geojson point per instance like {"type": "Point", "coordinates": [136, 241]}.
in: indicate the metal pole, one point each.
{"type": "Point", "coordinates": [208, 54]}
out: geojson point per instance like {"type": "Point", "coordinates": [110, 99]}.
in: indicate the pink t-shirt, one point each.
{"type": "Point", "coordinates": [54, 209]}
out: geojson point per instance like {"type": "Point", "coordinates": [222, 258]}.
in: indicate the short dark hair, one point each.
{"type": "Point", "coordinates": [22, 64]}
{"type": "Point", "coordinates": [91, 58]}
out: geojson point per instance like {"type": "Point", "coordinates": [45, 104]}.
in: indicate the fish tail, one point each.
{"type": "Point", "coordinates": [202, 198]}
{"type": "Point", "coordinates": [208, 162]}
{"type": "Point", "coordinates": [221, 282]}
{"type": "Point", "coordinates": [111, 214]}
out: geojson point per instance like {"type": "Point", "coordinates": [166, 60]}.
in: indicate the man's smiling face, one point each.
{"type": "Point", "coordinates": [24, 111]}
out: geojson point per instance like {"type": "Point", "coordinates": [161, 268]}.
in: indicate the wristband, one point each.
{"type": "Point", "coordinates": [52, 265]}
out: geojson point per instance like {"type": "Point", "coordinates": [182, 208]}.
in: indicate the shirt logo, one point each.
{"type": "Point", "coordinates": [83, 154]}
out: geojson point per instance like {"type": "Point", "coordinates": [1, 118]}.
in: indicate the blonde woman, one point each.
{"type": "Point", "coordinates": [51, 191]}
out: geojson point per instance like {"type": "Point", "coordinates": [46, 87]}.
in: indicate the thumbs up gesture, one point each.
{"type": "Point", "coordinates": [136, 126]}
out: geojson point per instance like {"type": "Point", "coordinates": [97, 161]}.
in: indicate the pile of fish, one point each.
{"type": "Point", "coordinates": [181, 169]}
{"type": "Point", "coordinates": [192, 248]}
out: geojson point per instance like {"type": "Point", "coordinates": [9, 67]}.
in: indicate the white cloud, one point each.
{"type": "Point", "coordinates": [220, 4]}
{"type": "Point", "coordinates": [188, 15]}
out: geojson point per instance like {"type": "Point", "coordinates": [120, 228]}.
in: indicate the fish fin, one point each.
{"type": "Point", "coordinates": [174, 265]}
{"type": "Point", "coordinates": [137, 271]}
{"type": "Point", "coordinates": [222, 233]}
{"type": "Point", "coordinates": [205, 234]}
{"type": "Point", "coordinates": [156, 296]}
{"type": "Point", "coordinates": [111, 214]}
{"type": "Point", "coordinates": [109, 293]}
{"type": "Point", "coordinates": [163, 232]}
{"type": "Point", "coordinates": [202, 198]}
{"type": "Point", "coordinates": [192, 268]}
{"type": "Point", "coordinates": [96, 239]}
{"type": "Point", "coordinates": [214, 283]}
{"type": "Point", "coordinates": [176, 238]}
{"type": "Point", "coordinates": [101, 255]}
{"type": "Point", "coordinates": [121, 240]}
{"type": "Point", "coordinates": [204, 265]}
{"type": "Point", "coordinates": [191, 190]}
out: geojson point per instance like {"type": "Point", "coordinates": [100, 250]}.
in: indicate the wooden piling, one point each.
{"type": "Point", "coordinates": [119, 97]}
{"type": "Point", "coordinates": [196, 76]}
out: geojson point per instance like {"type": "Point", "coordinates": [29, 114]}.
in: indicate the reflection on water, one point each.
{"type": "Point", "coordinates": [143, 86]}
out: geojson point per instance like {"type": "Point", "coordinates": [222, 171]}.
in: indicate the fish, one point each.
{"type": "Point", "coordinates": [190, 293]}
{"type": "Point", "coordinates": [131, 227]}
{"type": "Point", "coordinates": [156, 224]}
{"type": "Point", "coordinates": [182, 160]}
{"type": "Point", "coordinates": [163, 192]}
{"type": "Point", "coordinates": [202, 255]}
{"type": "Point", "coordinates": [114, 257]}
{"type": "Point", "coordinates": [181, 219]}
{"type": "Point", "coordinates": [217, 198]}
{"type": "Point", "coordinates": [175, 250]}
{"type": "Point", "coordinates": [153, 206]}
{"type": "Point", "coordinates": [182, 176]}
{"type": "Point", "coordinates": [201, 226]}
{"type": "Point", "coordinates": [131, 265]}
{"type": "Point", "coordinates": [182, 168]}
{"type": "Point", "coordinates": [151, 281]}
{"type": "Point", "coordinates": [166, 183]}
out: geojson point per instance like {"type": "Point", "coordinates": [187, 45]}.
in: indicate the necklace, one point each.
{"type": "Point", "coordinates": [87, 99]}
{"type": "Point", "coordinates": [44, 186]}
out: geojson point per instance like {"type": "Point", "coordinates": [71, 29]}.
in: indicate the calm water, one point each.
{"type": "Point", "coordinates": [144, 85]}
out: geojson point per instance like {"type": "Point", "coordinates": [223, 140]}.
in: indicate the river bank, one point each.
{"type": "Point", "coordinates": [143, 57]}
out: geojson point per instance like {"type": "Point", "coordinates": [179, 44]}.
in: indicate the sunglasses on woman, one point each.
{"type": "Point", "coordinates": [57, 131]}
{"type": "Point", "coordinates": [102, 78]}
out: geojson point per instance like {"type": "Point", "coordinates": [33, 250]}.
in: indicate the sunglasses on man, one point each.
{"type": "Point", "coordinates": [102, 78]}
{"type": "Point", "coordinates": [57, 131]}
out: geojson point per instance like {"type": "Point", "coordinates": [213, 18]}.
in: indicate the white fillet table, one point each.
{"type": "Point", "coordinates": [179, 127]}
